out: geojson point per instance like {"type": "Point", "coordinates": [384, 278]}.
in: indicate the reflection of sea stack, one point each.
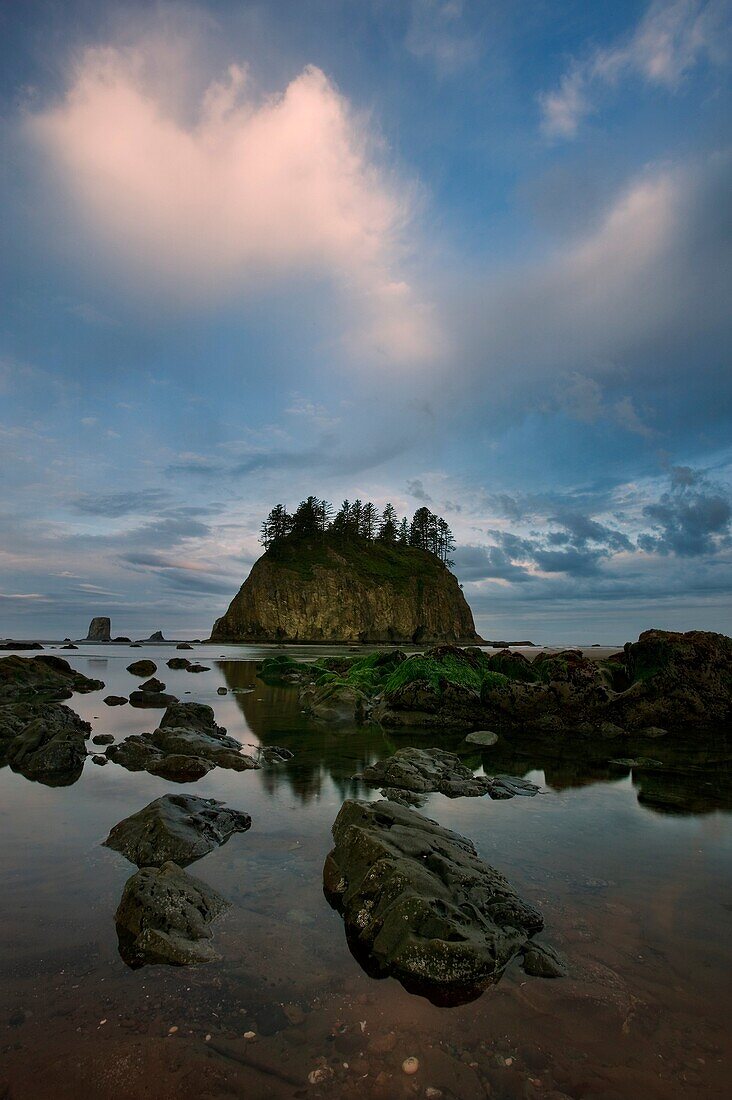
{"type": "Point", "coordinates": [100, 629]}
{"type": "Point", "coordinates": [333, 590]}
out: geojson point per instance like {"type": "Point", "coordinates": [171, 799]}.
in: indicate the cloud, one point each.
{"type": "Point", "coordinates": [114, 505]}
{"type": "Point", "coordinates": [603, 324]}
{"type": "Point", "coordinates": [249, 189]}
{"type": "Point", "coordinates": [416, 489]}
{"type": "Point", "coordinates": [671, 39]}
{"type": "Point", "coordinates": [436, 32]}
{"type": "Point", "coordinates": [694, 517]}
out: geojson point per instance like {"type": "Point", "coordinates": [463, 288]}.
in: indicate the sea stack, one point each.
{"type": "Point", "coordinates": [100, 629]}
{"type": "Point", "coordinates": [331, 590]}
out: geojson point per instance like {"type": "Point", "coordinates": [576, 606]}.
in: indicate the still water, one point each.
{"type": "Point", "coordinates": [632, 872]}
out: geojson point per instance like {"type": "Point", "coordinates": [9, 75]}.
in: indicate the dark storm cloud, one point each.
{"type": "Point", "coordinates": [693, 518]}
{"type": "Point", "coordinates": [578, 530]}
{"type": "Point", "coordinates": [473, 563]}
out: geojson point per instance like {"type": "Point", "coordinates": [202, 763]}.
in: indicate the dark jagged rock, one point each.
{"type": "Point", "coordinates": [197, 668]}
{"type": "Point", "coordinates": [98, 759]}
{"type": "Point", "coordinates": [100, 629]}
{"type": "Point", "coordinates": [156, 636]}
{"type": "Point", "coordinates": [153, 684]}
{"type": "Point", "coordinates": [419, 904]}
{"type": "Point", "coordinates": [164, 917]}
{"type": "Point", "coordinates": [103, 739]}
{"type": "Point", "coordinates": [424, 770]}
{"type": "Point", "coordinates": [178, 662]}
{"type": "Point", "coordinates": [177, 827]}
{"type": "Point", "coordinates": [45, 679]}
{"type": "Point", "coordinates": [152, 699]}
{"type": "Point", "coordinates": [50, 746]}
{"type": "Point", "coordinates": [115, 700]}
{"type": "Point", "coordinates": [186, 745]}
{"type": "Point", "coordinates": [334, 590]}
{"type": "Point", "coordinates": [184, 645]}
{"type": "Point", "coordinates": [144, 667]}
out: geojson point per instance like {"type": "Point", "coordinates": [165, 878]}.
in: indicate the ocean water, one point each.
{"type": "Point", "coordinates": [632, 871]}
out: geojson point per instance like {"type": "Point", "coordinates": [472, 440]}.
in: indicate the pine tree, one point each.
{"type": "Point", "coordinates": [276, 527]}
{"type": "Point", "coordinates": [446, 542]}
{"type": "Point", "coordinates": [354, 527]}
{"type": "Point", "coordinates": [403, 535]}
{"type": "Point", "coordinates": [306, 520]}
{"type": "Point", "coordinates": [388, 530]}
{"type": "Point", "coordinates": [369, 521]}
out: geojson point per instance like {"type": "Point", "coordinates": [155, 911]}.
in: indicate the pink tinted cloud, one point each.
{"type": "Point", "coordinates": [254, 188]}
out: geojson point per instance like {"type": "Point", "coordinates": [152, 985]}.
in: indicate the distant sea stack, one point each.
{"type": "Point", "coordinates": [100, 629]}
{"type": "Point", "coordinates": [331, 589]}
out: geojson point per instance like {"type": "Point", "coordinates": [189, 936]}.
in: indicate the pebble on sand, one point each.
{"type": "Point", "coordinates": [410, 1065]}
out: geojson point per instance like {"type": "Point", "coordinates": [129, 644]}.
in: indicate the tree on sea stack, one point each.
{"type": "Point", "coordinates": [350, 577]}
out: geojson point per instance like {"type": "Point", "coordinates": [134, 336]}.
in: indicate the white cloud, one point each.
{"type": "Point", "coordinates": [672, 37]}
{"type": "Point", "coordinates": [252, 188]}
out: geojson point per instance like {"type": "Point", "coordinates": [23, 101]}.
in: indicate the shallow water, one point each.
{"type": "Point", "coordinates": [631, 871]}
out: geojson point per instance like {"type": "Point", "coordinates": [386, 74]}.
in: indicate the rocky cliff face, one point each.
{"type": "Point", "coordinates": [347, 592]}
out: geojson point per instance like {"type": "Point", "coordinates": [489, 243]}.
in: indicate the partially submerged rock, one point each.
{"type": "Point", "coordinates": [39, 737]}
{"type": "Point", "coordinates": [178, 662]}
{"type": "Point", "coordinates": [425, 770]}
{"type": "Point", "coordinates": [144, 699]}
{"type": "Point", "coordinates": [176, 827]}
{"type": "Point", "coordinates": [164, 917]}
{"type": "Point", "coordinates": [486, 738]}
{"type": "Point", "coordinates": [50, 746]}
{"type": "Point", "coordinates": [115, 700]}
{"type": "Point", "coordinates": [153, 684]}
{"type": "Point", "coordinates": [419, 904]}
{"type": "Point", "coordinates": [143, 667]}
{"type": "Point", "coordinates": [187, 744]}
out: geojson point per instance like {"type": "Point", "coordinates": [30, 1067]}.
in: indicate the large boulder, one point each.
{"type": "Point", "coordinates": [50, 746]}
{"type": "Point", "coordinates": [100, 629]}
{"type": "Point", "coordinates": [164, 917]}
{"type": "Point", "coordinates": [176, 827]}
{"type": "Point", "coordinates": [142, 668]}
{"type": "Point", "coordinates": [419, 904]}
{"type": "Point", "coordinates": [424, 770]}
{"type": "Point", "coordinates": [186, 745]}
{"type": "Point", "coordinates": [43, 679]}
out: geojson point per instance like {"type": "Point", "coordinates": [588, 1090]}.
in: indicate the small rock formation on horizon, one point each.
{"type": "Point", "coordinates": [328, 589]}
{"type": "Point", "coordinates": [100, 629]}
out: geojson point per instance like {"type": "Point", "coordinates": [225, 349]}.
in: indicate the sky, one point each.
{"type": "Point", "coordinates": [472, 254]}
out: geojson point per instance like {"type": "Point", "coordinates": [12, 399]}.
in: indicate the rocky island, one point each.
{"type": "Point", "coordinates": [357, 579]}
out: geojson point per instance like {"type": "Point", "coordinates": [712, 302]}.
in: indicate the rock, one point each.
{"type": "Point", "coordinates": [142, 668]}
{"type": "Point", "coordinates": [122, 640]}
{"type": "Point", "coordinates": [98, 759]}
{"type": "Point", "coordinates": [178, 662]}
{"type": "Point", "coordinates": [542, 961]}
{"type": "Point", "coordinates": [177, 827]}
{"type": "Point", "coordinates": [486, 738]}
{"type": "Point", "coordinates": [197, 668]}
{"type": "Point", "coordinates": [41, 679]}
{"type": "Point", "coordinates": [184, 645]}
{"type": "Point", "coordinates": [115, 700]}
{"type": "Point", "coordinates": [100, 629]}
{"type": "Point", "coordinates": [151, 699]}
{"type": "Point", "coordinates": [50, 746]}
{"type": "Point", "coordinates": [221, 691]}
{"type": "Point", "coordinates": [153, 684]}
{"type": "Point", "coordinates": [274, 754]}
{"type": "Point", "coordinates": [69, 645]}
{"type": "Point", "coordinates": [425, 770]}
{"type": "Point", "coordinates": [352, 591]}
{"type": "Point", "coordinates": [186, 745]}
{"type": "Point", "coordinates": [102, 739]}
{"type": "Point", "coordinates": [21, 645]}
{"type": "Point", "coordinates": [333, 702]}
{"type": "Point", "coordinates": [155, 637]}
{"type": "Point", "coordinates": [164, 915]}
{"type": "Point", "coordinates": [420, 905]}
